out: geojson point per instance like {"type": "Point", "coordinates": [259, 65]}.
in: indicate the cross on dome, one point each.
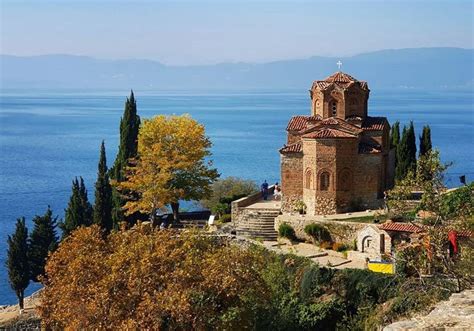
{"type": "Point", "coordinates": [339, 64]}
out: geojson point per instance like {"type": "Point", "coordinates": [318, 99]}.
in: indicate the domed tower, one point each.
{"type": "Point", "coordinates": [339, 95]}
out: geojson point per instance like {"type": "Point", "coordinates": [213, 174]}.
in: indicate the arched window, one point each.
{"type": "Point", "coordinates": [344, 182]}
{"type": "Point", "coordinates": [324, 181]}
{"type": "Point", "coordinates": [334, 108]}
{"type": "Point", "coordinates": [308, 179]}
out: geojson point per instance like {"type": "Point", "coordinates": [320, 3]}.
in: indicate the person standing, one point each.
{"type": "Point", "coordinates": [277, 192]}
{"type": "Point", "coordinates": [264, 189]}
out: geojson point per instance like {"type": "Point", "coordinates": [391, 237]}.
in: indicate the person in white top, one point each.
{"type": "Point", "coordinates": [277, 192]}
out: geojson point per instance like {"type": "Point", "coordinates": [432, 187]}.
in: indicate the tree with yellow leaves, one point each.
{"type": "Point", "coordinates": [172, 165]}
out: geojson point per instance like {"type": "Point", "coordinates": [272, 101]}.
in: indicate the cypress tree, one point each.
{"type": "Point", "coordinates": [42, 240]}
{"type": "Point", "coordinates": [425, 141]}
{"type": "Point", "coordinates": [103, 194]}
{"type": "Point", "coordinates": [395, 139]}
{"type": "Point", "coordinates": [129, 127]}
{"type": "Point", "coordinates": [395, 135]}
{"type": "Point", "coordinates": [79, 210]}
{"type": "Point", "coordinates": [402, 156]}
{"type": "Point", "coordinates": [17, 260]}
{"type": "Point", "coordinates": [406, 153]}
{"type": "Point", "coordinates": [411, 147]}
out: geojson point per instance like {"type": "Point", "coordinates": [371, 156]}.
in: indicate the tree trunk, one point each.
{"type": "Point", "coordinates": [20, 295]}
{"type": "Point", "coordinates": [175, 209]}
{"type": "Point", "coordinates": [153, 217]}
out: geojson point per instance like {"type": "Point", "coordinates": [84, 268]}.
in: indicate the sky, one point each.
{"type": "Point", "coordinates": [214, 31]}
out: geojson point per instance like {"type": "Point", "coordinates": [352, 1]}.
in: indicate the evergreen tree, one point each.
{"type": "Point", "coordinates": [395, 138]}
{"type": "Point", "coordinates": [412, 147]}
{"type": "Point", "coordinates": [43, 240]}
{"type": "Point", "coordinates": [79, 210]}
{"type": "Point", "coordinates": [406, 153]}
{"type": "Point", "coordinates": [395, 135]}
{"type": "Point", "coordinates": [425, 141]}
{"type": "Point", "coordinates": [103, 194]}
{"type": "Point", "coordinates": [129, 127]}
{"type": "Point", "coordinates": [17, 260]}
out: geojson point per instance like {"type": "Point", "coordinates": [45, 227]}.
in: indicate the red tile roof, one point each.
{"type": "Point", "coordinates": [354, 118]}
{"type": "Point", "coordinates": [374, 123]}
{"type": "Point", "coordinates": [465, 233]}
{"type": "Point", "coordinates": [340, 79]}
{"type": "Point", "coordinates": [330, 121]}
{"type": "Point", "coordinates": [300, 122]}
{"type": "Point", "coordinates": [292, 148]}
{"type": "Point", "coordinates": [328, 133]}
{"type": "Point", "coordinates": [400, 227]}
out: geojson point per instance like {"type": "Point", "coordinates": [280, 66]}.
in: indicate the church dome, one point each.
{"type": "Point", "coordinates": [340, 79]}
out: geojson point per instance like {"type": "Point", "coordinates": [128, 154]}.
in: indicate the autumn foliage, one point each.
{"type": "Point", "coordinates": [150, 279]}
{"type": "Point", "coordinates": [171, 166]}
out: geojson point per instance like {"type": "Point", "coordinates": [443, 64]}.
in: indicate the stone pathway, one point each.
{"type": "Point", "coordinates": [325, 258]}
{"type": "Point", "coordinates": [457, 313]}
{"type": "Point", "coordinates": [270, 203]}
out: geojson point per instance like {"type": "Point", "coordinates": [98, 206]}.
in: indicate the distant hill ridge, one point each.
{"type": "Point", "coordinates": [410, 68]}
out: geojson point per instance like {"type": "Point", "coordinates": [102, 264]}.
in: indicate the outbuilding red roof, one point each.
{"type": "Point", "coordinates": [400, 227]}
{"type": "Point", "coordinates": [465, 233]}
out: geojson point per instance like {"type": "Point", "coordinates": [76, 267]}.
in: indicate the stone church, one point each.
{"type": "Point", "coordinates": [337, 159]}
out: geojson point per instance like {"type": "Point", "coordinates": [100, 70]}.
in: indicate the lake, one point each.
{"type": "Point", "coordinates": [47, 137]}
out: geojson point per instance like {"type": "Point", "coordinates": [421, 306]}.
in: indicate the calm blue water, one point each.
{"type": "Point", "coordinates": [48, 137]}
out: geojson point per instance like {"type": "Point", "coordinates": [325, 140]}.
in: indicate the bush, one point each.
{"type": "Point", "coordinates": [325, 245]}
{"type": "Point", "coordinates": [339, 247]}
{"type": "Point", "coordinates": [225, 218]}
{"type": "Point", "coordinates": [317, 232]}
{"type": "Point", "coordinates": [286, 231]}
{"type": "Point", "coordinates": [226, 190]}
{"type": "Point", "coordinates": [145, 279]}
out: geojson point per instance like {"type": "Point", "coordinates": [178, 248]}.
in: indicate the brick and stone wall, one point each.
{"type": "Point", "coordinates": [341, 231]}
{"type": "Point", "coordinates": [291, 181]}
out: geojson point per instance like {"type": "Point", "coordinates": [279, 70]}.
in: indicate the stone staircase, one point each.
{"type": "Point", "coordinates": [258, 224]}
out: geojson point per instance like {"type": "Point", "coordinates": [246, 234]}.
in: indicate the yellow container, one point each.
{"type": "Point", "coordinates": [383, 267]}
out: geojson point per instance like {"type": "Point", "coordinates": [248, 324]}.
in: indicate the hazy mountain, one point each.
{"type": "Point", "coordinates": [416, 67]}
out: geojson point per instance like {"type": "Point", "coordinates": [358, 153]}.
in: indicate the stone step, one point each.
{"type": "Point", "coordinates": [256, 227]}
{"type": "Point", "coordinates": [256, 231]}
{"type": "Point", "coordinates": [264, 237]}
{"type": "Point", "coordinates": [257, 223]}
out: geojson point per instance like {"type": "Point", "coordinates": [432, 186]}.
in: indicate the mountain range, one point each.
{"type": "Point", "coordinates": [402, 68]}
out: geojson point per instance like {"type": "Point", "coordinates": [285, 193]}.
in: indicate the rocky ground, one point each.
{"type": "Point", "coordinates": [457, 313]}
{"type": "Point", "coordinates": [11, 319]}
{"type": "Point", "coordinates": [325, 258]}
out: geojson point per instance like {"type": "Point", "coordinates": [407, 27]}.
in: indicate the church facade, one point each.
{"type": "Point", "coordinates": [337, 159]}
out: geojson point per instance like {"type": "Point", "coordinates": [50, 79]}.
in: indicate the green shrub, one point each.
{"type": "Point", "coordinates": [317, 232]}
{"type": "Point", "coordinates": [286, 231]}
{"type": "Point", "coordinates": [225, 218]}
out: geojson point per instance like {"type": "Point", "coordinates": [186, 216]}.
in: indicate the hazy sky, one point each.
{"type": "Point", "coordinates": [197, 32]}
